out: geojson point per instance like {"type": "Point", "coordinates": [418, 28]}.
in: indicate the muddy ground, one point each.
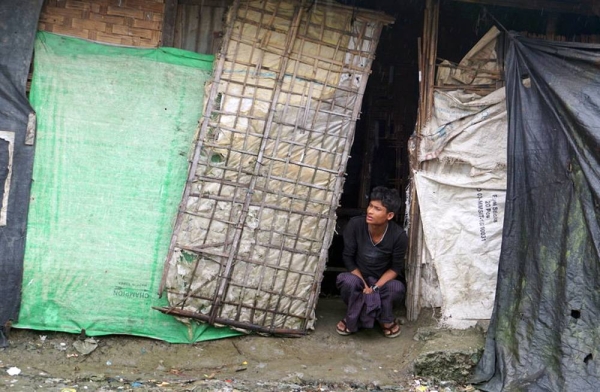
{"type": "Point", "coordinates": [321, 361]}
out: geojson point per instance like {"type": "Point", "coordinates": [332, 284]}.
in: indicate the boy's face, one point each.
{"type": "Point", "coordinates": [377, 214]}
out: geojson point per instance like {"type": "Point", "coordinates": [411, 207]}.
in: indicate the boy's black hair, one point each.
{"type": "Point", "coordinates": [388, 197]}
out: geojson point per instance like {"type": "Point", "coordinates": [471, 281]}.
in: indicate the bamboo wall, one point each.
{"type": "Point", "coordinates": [120, 22]}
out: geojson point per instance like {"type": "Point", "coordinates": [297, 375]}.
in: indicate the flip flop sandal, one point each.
{"type": "Point", "coordinates": [345, 331]}
{"type": "Point", "coordinates": [388, 332]}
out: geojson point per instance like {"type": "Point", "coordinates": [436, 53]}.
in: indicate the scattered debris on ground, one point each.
{"type": "Point", "coordinates": [323, 361]}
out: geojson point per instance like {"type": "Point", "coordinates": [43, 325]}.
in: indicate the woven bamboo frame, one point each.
{"type": "Point", "coordinates": [257, 217]}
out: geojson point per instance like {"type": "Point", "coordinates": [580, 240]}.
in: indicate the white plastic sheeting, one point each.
{"type": "Point", "coordinates": [478, 67]}
{"type": "Point", "coordinates": [461, 195]}
{"type": "Point", "coordinates": [9, 140]}
{"type": "Point", "coordinates": [467, 128]}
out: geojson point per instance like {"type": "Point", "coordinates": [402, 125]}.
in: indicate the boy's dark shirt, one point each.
{"type": "Point", "coordinates": [359, 251]}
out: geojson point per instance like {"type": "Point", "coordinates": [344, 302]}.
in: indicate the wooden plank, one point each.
{"type": "Point", "coordinates": [169, 17]}
{"type": "Point", "coordinates": [203, 31]}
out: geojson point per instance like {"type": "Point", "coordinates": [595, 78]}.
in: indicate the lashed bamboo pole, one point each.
{"type": "Point", "coordinates": [279, 140]}
{"type": "Point", "coordinates": [210, 103]}
{"type": "Point", "coordinates": [220, 293]}
{"type": "Point", "coordinates": [300, 120]}
{"type": "Point", "coordinates": [247, 265]}
{"type": "Point", "coordinates": [432, 58]}
{"type": "Point", "coordinates": [233, 323]}
{"type": "Point", "coordinates": [427, 58]}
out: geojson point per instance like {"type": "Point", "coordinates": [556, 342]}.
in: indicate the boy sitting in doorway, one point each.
{"type": "Point", "coordinates": [374, 249]}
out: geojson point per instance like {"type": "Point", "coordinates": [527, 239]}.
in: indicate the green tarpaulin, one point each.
{"type": "Point", "coordinates": [115, 128]}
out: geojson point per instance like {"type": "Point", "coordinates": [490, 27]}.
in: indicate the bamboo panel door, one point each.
{"type": "Point", "coordinates": [258, 212]}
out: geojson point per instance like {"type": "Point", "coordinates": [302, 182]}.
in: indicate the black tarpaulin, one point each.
{"type": "Point", "coordinates": [545, 330]}
{"type": "Point", "coordinates": [18, 25]}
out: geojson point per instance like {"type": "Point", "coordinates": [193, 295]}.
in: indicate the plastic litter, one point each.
{"type": "Point", "coordinates": [85, 347]}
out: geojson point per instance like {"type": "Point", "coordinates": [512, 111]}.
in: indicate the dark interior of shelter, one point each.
{"type": "Point", "coordinates": [389, 112]}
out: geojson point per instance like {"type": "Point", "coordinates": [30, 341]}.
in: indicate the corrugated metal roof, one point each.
{"type": "Point", "coordinates": [199, 25]}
